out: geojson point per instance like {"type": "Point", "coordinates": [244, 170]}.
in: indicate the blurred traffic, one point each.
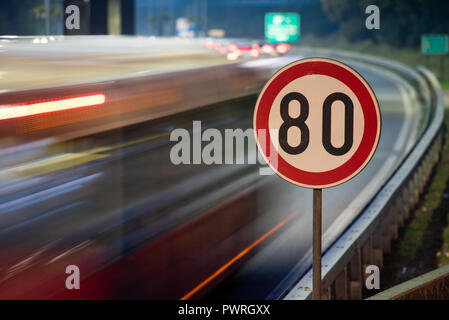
{"type": "Point", "coordinates": [86, 179]}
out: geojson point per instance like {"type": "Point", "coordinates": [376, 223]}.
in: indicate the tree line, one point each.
{"type": "Point", "coordinates": [402, 22]}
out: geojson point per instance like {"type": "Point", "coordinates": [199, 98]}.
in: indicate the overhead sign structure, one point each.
{"type": "Point", "coordinates": [282, 27]}
{"type": "Point", "coordinates": [435, 44]}
{"type": "Point", "coordinates": [317, 123]}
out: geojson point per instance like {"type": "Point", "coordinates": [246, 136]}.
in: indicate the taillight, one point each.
{"type": "Point", "coordinates": [282, 48]}
{"type": "Point", "coordinates": [233, 47]}
{"type": "Point", "coordinates": [35, 108]}
{"type": "Point", "coordinates": [267, 49]}
{"type": "Point", "coordinates": [254, 53]}
{"type": "Point", "coordinates": [233, 55]}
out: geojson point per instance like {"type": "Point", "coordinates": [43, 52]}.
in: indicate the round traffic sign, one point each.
{"type": "Point", "coordinates": [317, 122]}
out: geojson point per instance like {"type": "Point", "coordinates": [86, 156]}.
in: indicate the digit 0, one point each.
{"type": "Point", "coordinates": [349, 123]}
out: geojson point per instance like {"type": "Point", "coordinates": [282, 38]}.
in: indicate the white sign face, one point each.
{"type": "Point", "coordinates": [322, 121]}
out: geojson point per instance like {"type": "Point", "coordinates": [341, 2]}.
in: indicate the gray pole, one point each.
{"type": "Point", "coordinates": [172, 18]}
{"type": "Point", "coordinates": [317, 225]}
{"type": "Point", "coordinates": [205, 17]}
{"type": "Point", "coordinates": [197, 15]}
{"type": "Point", "coordinates": [47, 16]}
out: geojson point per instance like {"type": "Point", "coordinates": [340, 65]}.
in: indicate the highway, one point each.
{"type": "Point", "coordinates": [138, 226]}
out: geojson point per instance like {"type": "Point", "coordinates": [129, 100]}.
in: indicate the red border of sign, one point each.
{"type": "Point", "coordinates": [364, 94]}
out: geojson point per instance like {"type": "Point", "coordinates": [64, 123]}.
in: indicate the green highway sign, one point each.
{"type": "Point", "coordinates": [435, 44]}
{"type": "Point", "coordinates": [282, 27]}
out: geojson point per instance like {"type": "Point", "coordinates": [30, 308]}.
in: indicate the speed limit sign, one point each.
{"type": "Point", "coordinates": [321, 121]}
{"type": "Point", "coordinates": [317, 123]}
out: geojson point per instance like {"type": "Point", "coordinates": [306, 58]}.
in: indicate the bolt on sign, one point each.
{"type": "Point", "coordinates": [282, 27]}
{"type": "Point", "coordinates": [435, 44]}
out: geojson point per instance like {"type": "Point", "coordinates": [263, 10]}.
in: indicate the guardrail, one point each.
{"type": "Point", "coordinates": [433, 285]}
{"type": "Point", "coordinates": [370, 235]}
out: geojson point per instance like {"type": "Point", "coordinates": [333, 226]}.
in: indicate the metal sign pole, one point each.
{"type": "Point", "coordinates": [317, 225]}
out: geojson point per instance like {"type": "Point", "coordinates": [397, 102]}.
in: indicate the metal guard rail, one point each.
{"type": "Point", "coordinates": [369, 236]}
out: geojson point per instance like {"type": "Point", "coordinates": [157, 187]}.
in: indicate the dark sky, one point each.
{"type": "Point", "coordinates": [221, 3]}
{"type": "Point", "coordinates": [239, 18]}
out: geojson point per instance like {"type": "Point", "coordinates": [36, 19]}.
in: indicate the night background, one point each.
{"type": "Point", "coordinates": [402, 21]}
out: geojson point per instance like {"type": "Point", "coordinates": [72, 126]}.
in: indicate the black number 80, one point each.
{"type": "Point", "coordinates": [300, 123]}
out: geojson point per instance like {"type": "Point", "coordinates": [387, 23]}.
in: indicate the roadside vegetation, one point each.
{"type": "Point", "coordinates": [423, 244]}
{"type": "Point", "coordinates": [401, 27]}
{"type": "Point", "coordinates": [443, 254]}
{"type": "Point", "coordinates": [410, 56]}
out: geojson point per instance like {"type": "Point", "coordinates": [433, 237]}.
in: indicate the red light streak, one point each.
{"type": "Point", "coordinates": [18, 111]}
